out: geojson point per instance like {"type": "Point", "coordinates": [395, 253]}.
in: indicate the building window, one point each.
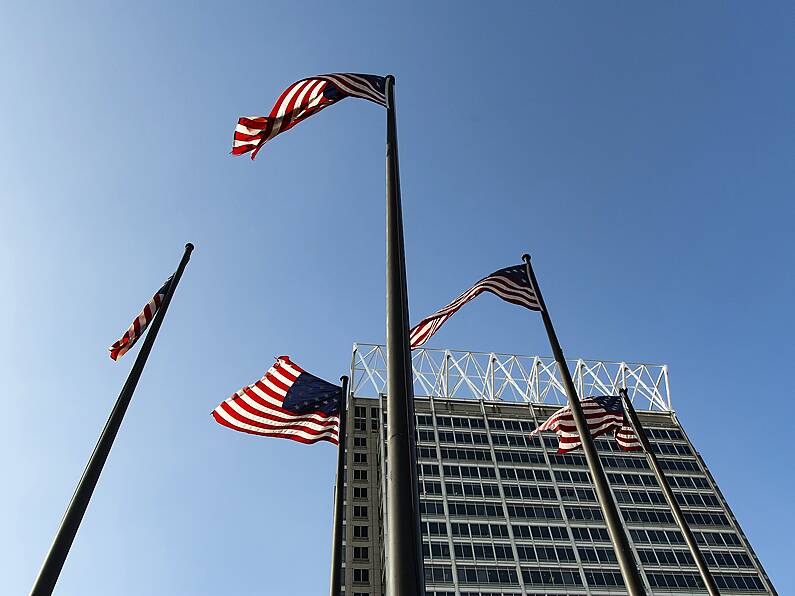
{"type": "Point", "coordinates": [362, 532]}
{"type": "Point", "coordinates": [360, 424]}
{"type": "Point", "coordinates": [360, 511]}
{"type": "Point", "coordinates": [361, 553]}
{"type": "Point", "coordinates": [360, 412]}
{"type": "Point", "coordinates": [360, 474]}
{"type": "Point", "coordinates": [359, 492]}
{"type": "Point", "coordinates": [361, 576]}
{"type": "Point", "coordinates": [359, 458]}
{"type": "Point", "coordinates": [360, 441]}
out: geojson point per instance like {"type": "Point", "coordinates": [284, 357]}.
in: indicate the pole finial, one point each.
{"type": "Point", "coordinates": [189, 247]}
{"type": "Point", "coordinates": [526, 258]}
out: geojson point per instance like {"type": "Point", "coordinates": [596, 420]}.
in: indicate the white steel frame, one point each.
{"type": "Point", "coordinates": [456, 374]}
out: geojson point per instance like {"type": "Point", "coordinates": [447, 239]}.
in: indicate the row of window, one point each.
{"type": "Point", "coordinates": [441, 574]}
{"type": "Point", "coordinates": [685, 581]}
{"type": "Point", "coordinates": [540, 532]}
{"type": "Point", "coordinates": [674, 537]}
{"type": "Point", "coordinates": [663, 434]}
{"type": "Point", "coordinates": [579, 533]}
{"type": "Point", "coordinates": [558, 459]}
{"type": "Point", "coordinates": [578, 494]}
{"type": "Point", "coordinates": [534, 512]}
{"type": "Point", "coordinates": [461, 509]}
{"type": "Point", "coordinates": [626, 479]}
{"type": "Point", "coordinates": [638, 497]}
{"type": "Point", "coordinates": [565, 554]}
{"type": "Point", "coordinates": [675, 558]}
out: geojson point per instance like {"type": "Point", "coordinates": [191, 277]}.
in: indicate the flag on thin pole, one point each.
{"type": "Point", "coordinates": [139, 324]}
{"type": "Point", "coordinates": [286, 402]}
{"type": "Point", "coordinates": [510, 284]}
{"type": "Point", "coordinates": [301, 100]}
{"type": "Point", "coordinates": [603, 414]}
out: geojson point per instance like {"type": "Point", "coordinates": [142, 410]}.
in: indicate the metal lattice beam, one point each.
{"type": "Point", "coordinates": [456, 374]}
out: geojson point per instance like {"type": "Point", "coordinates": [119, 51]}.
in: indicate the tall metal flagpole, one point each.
{"type": "Point", "coordinates": [629, 569]}
{"type": "Point", "coordinates": [405, 575]}
{"type": "Point", "coordinates": [53, 563]}
{"type": "Point", "coordinates": [703, 569]}
{"type": "Point", "coordinates": [339, 497]}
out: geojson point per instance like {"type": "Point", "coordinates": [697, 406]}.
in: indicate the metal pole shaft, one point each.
{"type": "Point", "coordinates": [405, 575]}
{"type": "Point", "coordinates": [706, 574]}
{"type": "Point", "coordinates": [53, 563]}
{"type": "Point", "coordinates": [339, 497]}
{"type": "Point", "coordinates": [629, 569]}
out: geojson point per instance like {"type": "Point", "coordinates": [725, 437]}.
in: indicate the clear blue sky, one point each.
{"type": "Point", "coordinates": [642, 152]}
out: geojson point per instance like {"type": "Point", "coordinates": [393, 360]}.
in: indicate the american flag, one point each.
{"type": "Point", "coordinates": [287, 402]}
{"type": "Point", "coordinates": [139, 324]}
{"type": "Point", "coordinates": [511, 284]}
{"type": "Point", "coordinates": [302, 99]}
{"type": "Point", "coordinates": [603, 414]}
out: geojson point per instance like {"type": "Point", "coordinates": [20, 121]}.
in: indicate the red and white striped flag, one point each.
{"type": "Point", "coordinates": [511, 284]}
{"type": "Point", "coordinates": [286, 402]}
{"type": "Point", "coordinates": [140, 324]}
{"type": "Point", "coordinates": [301, 100]}
{"type": "Point", "coordinates": [603, 414]}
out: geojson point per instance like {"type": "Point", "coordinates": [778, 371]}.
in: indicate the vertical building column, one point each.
{"type": "Point", "coordinates": [449, 525]}
{"type": "Point", "coordinates": [495, 463]}
{"type": "Point", "coordinates": [562, 504]}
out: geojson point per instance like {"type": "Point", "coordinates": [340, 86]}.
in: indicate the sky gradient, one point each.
{"type": "Point", "coordinates": [641, 152]}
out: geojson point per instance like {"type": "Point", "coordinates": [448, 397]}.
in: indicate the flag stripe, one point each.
{"type": "Point", "coordinates": [511, 284]}
{"type": "Point", "coordinates": [259, 409]}
{"type": "Point", "coordinates": [139, 324]}
{"type": "Point", "coordinates": [602, 414]}
{"type": "Point", "coordinates": [301, 100]}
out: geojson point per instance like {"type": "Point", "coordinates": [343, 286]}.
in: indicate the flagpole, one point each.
{"type": "Point", "coordinates": [53, 563]}
{"type": "Point", "coordinates": [629, 570]}
{"type": "Point", "coordinates": [338, 534]}
{"type": "Point", "coordinates": [405, 575]}
{"type": "Point", "coordinates": [703, 569]}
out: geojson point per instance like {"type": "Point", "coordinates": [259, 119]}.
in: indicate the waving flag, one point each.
{"type": "Point", "coordinates": [511, 284]}
{"type": "Point", "coordinates": [139, 325]}
{"type": "Point", "coordinates": [603, 414]}
{"type": "Point", "coordinates": [299, 101]}
{"type": "Point", "coordinates": [287, 402]}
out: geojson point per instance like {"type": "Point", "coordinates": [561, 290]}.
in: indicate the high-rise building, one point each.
{"type": "Point", "coordinates": [506, 515]}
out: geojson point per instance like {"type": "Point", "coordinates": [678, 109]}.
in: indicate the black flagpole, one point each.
{"type": "Point", "coordinates": [629, 570]}
{"type": "Point", "coordinates": [405, 575]}
{"type": "Point", "coordinates": [706, 575]}
{"type": "Point", "coordinates": [51, 568]}
{"type": "Point", "coordinates": [339, 496]}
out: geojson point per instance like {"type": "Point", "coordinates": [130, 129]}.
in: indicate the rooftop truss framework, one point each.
{"type": "Point", "coordinates": [455, 374]}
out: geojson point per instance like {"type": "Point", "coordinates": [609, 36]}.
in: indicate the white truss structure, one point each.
{"type": "Point", "coordinates": [454, 374]}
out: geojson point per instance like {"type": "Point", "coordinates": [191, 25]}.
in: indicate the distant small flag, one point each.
{"type": "Point", "coordinates": [603, 414]}
{"type": "Point", "coordinates": [511, 284]}
{"type": "Point", "coordinates": [140, 324]}
{"type": "Point", "coordinates": [301, 100]}
{"type": "Point", "coordinates": [287, 402]}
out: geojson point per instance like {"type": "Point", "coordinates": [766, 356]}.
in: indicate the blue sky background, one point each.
{"type": "Point", "coordinates": [643, 153]}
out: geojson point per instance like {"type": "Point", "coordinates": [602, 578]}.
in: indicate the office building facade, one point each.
{"type": "Point", "coordinates": [503, 514]}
